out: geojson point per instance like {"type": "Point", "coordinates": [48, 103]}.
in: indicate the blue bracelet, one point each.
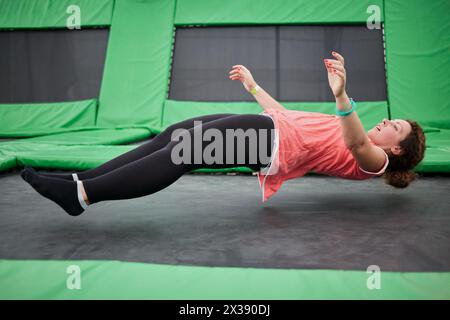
{"type": "Point", "coordinates": [346, 113]}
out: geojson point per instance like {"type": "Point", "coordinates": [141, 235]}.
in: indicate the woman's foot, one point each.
{"type": "Point", "coordinates": [61, 191]}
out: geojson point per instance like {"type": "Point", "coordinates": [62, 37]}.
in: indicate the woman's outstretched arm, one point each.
{"type": "Point", "coordinates": [369, 157]}
{"type": "Point", "coordinates": [353, 130]}
{"type": "Point", "coordinates": [241, 73]}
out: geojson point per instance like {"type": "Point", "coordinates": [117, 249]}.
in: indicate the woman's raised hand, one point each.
{"type": "Point", "coordinates": [241, 73]}
{"type": "Point", "coordinates": [336, 74]}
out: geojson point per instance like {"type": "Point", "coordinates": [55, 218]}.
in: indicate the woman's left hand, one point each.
{"type": "Point", "coordinates": [336, 74]}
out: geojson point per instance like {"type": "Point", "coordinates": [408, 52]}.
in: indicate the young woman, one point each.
{"type": "Point", "coordinates": [298, 142]}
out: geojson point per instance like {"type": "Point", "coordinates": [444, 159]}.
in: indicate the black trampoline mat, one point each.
{"type": "Point", "coordinates": [314, 222]}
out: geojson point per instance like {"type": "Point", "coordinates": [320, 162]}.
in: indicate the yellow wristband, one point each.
{"type": "Point", "coordinates": [254, 90]}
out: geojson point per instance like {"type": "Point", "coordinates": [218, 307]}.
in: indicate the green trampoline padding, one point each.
{"type": "Point", "coordinates": [64, 157]}
{"type": "Point", "coordinates": [53, 13]}
{"type": "Point", "coordinates": [34, 119]}
{"type": "Point", "coordinates": [78, 150]}
{"type": "Point", "coordinates": [137, 63]}
{"type": "Point", "coordinates": [7, 162]}
{"type": "Point", "coordinates": [127, 280]}
{"type": "Point", "coordinates": [417, 57]}
{"type": "Point", "coordinates": [211, 12]}
{"type": "Point", "coordinates": [93, 136]}
{"type": "Point", "coordinates": [437, 155]}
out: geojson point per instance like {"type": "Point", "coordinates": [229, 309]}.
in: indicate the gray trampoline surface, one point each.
{"type": "Point", "coordinates": [219, 220]}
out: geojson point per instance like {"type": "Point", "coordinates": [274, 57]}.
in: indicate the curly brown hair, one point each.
{"type": "Point", "coordinates": [399, 172]}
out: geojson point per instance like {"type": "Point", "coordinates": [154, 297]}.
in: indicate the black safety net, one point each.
{"type": "Point", "coordinates": [51, 65]}
{"type": "Point", "coordinates": [286, 60]}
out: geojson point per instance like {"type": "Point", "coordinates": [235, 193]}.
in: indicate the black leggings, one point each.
{"type": "Point", "coordinates": [149, 168]}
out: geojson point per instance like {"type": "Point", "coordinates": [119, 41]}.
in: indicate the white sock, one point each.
{"type": "Point", "coordinates": [83, 203]}
{"type": "Point", "coordinates": [75, 177]}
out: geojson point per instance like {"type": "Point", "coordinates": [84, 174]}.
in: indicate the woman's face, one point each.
{"type": "Point", "coordinates": [389, 133]}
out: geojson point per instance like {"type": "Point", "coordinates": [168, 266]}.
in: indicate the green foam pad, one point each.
{"type": "Point", "coordinates": [126, 280]}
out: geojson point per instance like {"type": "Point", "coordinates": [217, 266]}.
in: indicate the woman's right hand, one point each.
{"type": "Point", "coordinates": [336, 74]}
{"type": "Point", "coordinates": [241, 73]}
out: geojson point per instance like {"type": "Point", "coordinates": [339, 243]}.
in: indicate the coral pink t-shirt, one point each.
{"type": "Point", "coordinates": [308, 141]}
